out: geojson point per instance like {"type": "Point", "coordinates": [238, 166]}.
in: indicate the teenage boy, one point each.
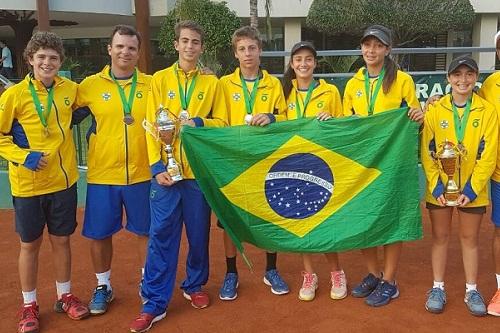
{"type": "Point", "coordinates": [195, 97]}
{"type": "Point", "coordinates": [118, 174]}
{"type": "Point", "coordinates": [254, 98]}
{"type": "Point", "coordinates": [36, 139]}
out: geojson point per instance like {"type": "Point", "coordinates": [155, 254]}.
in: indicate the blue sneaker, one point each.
{"type": "Point", "coordinates": [100, 300]}
{"type": "Point", "coordinates": [475, 303]}
{"type": "Point", "coordinates": [273, 279]}
{"type": "Point", "coordinates": [436, 299]}
{"type": "Point", "coordinates": [366, 287]}
{"type": "Point", "coordinates": [228, 290]}
{"type": "Point", "coordinates": [383, 294]}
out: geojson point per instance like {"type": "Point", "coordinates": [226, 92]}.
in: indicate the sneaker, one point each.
{"type": "Point", "coordinates": [28, 322]}
{"type": "Point", "coordinates": [273, 279]}
{"type": "Point", "coordinates": [383, 294]}
{"type": "Point", "coordinates": [436, 299]}
{"type": "Point", "coordinates": [339, 285]}
{"type": "Point", "coordinates": [475, 303]}
{"type": "Point", "coordinates": [494, 306]}
{"type": "Point", "coordinates": [366, 287]}
{"type": "Point", "coordinates": [308, 290]}
{"type": "Point", "coordinates": [199, 299]}
{"type": "Point", "coordinates": [100, 300]}
{"type": "Point", "coordinates": [74, 308]}
{"type": "Point", "coordinates": [228, 290]}
{"type": "Point", "coordinates": [144, 322]}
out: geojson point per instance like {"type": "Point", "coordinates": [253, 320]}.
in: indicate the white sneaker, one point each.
{"type": "Point", "coordinates": [339, 285]}
{"type": "Point", "coordinates": [309, 286]}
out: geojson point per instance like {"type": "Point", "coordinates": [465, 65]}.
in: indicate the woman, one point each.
{"type": "Point", "coordinates": [307, 97]}
{"type": "Point", "coordinates": [375, 88]}
{"type": "Point", "coordinates": [468, 124]}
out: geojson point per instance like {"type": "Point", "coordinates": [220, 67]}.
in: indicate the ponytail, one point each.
{"type": "Point", "coordinates": [288, 76]}
{"type": "Point", "coordinates": [391, 69]}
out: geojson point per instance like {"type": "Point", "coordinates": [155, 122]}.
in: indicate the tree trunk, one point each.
{"type": "Point", "coordinates": [254, 15]}
{"type": "Point", "coordinates": [23, 32]}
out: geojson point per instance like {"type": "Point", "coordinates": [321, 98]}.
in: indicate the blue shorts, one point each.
{"type": "Point", "coordinates": [495, 203]}
{"type": "Point", "coordinates": [104, 209]}
{"type": "Point", "coordinates": [56, 210]}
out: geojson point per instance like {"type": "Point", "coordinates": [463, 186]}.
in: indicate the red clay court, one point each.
{"type": "Point", "coordinates": [255, 309]}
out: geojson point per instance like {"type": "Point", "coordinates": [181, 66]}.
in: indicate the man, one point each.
{"type": "Point", "coordinates": [254, 98]}
{"type": "Point", "coordinates": [36, 139]}
{"type": "Point", "coordinates": [196, 98]}
{"type": "Point", "coordinates": [6, 61]}
{"type": "Point", "coordinates": [490, 90]}
{"type": "Point", "coordinates": [118, 172]}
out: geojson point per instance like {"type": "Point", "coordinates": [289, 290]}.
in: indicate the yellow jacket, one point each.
{"type": "Point", "coordinates": [480, 141]}
{"type": "Point", "coordinates": [206, 108]}
{"type": "Point", "coordinates": [490, 91]}
{"type": "Point", "coordinates": [325, 97]}
{"type": "Point", "coordinates": [22, 138]}
{"type": "Point", "coordinates": [116, 154]}
{"type": "Point", "coordinates": [401, 93]}
{"type": "Point", "coordinates": [269, 98]}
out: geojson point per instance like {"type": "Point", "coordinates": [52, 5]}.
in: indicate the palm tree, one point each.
{"type": "Point", "coordinates": [254, 17]}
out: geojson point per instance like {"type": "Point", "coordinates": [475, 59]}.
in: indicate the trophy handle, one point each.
{"type": "Point", "coordinates": [151, 129]}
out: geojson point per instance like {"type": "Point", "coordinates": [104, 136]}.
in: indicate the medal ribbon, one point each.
{"type": "Point", "coordinates": [371, 99]}
{"type": "Point", "coordinates": [127, 105]}
{"type": "Point", "coordinates": [38, 105]}
{"type": "Point", "coordinates": [306, 101]}
{"type": "Point", "coordinates": [185, 98]}
{"type": "Point", "coordinates": [249, 98]}
{"type": "Point", "coordinates": [461, 124]}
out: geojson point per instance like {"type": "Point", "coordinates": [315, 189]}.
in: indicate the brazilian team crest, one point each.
{"type": "Point", "coordinates": [236, 97]}
{"type": "Point", "coordinates": [106, 96]}
{"type": "Point", "coordinates": [171, 94]}
{"type": "Point", "coordinates": [444, 124]}
{"type": "Point", "coordinates": [359, 93]}
{"type": "Point", "coordinates": [291, 106]}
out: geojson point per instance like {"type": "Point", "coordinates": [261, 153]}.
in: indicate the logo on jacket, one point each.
{"type": "Point", "coordinates": [291, 106]}
{"type": "Point", "coordinates": [236, 97]}
{"type": "Point", "coordinates": [475, 122]}
{"type": "Point", "coordinates": [171, 94]}
{"type": "Point", "coordinates": [264, 98]}
{"type": "Point", "coordinates": [138, 94]}
{"type": "Point", "coordinates": [444, 124]}
{"type": "Point", "coordinates": [359, 93]}
{"type": "Point", "coordinates": [106, 96]}
{"type": "Point", "coordinates": [320, 104]}
{"type": "Point", "coordinates": [66, 101]}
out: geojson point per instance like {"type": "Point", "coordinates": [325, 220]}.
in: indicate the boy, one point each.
{"type": "Point", "coordinates": [181, 89]}
{"type": "Point", "coordinates": [36, 139]}
{"type": "Point", "coordinates": [256, 98]}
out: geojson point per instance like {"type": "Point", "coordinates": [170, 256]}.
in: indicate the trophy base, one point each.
{"type": "Point", "coordinates": [451, 203]}
{"type": "Point", "coordinates": [176, 178]}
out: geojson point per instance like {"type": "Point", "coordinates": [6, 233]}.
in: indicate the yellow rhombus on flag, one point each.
{"type": "Point", "coordinates": [248, 190]}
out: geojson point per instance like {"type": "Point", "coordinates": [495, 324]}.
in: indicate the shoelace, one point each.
{"type": "Point", "coordinates": [337, 280]}
{"type": "Point", "coordinates": [276, 279]}
{"type": "Point", "coordinates": [436, 294]}
{"type": "Point", "coordinates": [72, 300]}
{"type": "Point", "coordinates": [475, 297]}
{"type": "Point", "coordinates": [28, 312]}
{"type": "Point", "coordinates": [308, 280]}
{"type": "Point", "coordinates": [229, 282]}
{"type": "Point", "coordinates": [99, 296]}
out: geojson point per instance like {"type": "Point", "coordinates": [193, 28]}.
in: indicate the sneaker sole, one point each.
{"type": "Point", "coordinates": [58, 309]}
{"type": "Point", "coordinates": [436, 311]}
{"type": "Point", "coordinates": [338, 297]}
{"type": "Point", "coordinates": [493, 313]}
{"type": "Point", "coordinates": [155, 319]}
{"type": "Point", "coordinates": [307, 299]}
{"type": "Point", "coordinates": [97, 312]}
{"type": "Point", "coordinates": [283, 292]}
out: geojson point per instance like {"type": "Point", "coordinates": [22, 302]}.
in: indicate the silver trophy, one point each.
{"type": "Point", "coordinates": [165, 130]}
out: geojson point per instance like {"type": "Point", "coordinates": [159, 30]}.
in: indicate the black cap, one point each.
{"type": "Point", "coordinates": [463, 60]}
{"type": "Point", "coordinates": [380, 32]}
{"type": "Point", "coordinates": [303, 45]}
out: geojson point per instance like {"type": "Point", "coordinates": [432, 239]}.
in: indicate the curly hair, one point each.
{"type": "Point", "coordinates": [43, 40]}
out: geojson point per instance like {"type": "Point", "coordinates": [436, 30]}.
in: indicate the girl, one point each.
{"type": "Point", "coordinates": [469, 123]}
{"type": "Point", "coordinates": [377, 87]}
{"type": "Point", "coordinates": [307, 97]}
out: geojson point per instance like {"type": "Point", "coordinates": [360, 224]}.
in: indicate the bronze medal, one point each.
{"type": "Point", "coordinates": [128, 119]}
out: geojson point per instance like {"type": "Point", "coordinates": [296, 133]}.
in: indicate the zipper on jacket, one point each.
{"type": "Point", "coordinates": [59, 152]}
{"type": "Point", "coordinates": [126, 154]}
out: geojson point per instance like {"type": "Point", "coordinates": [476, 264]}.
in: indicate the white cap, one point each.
{"type": "Point", "coordinates": [497, 38]}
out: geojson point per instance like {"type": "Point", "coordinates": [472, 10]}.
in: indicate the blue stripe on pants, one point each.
{"type": "Point", "coordinates": [170, 206]}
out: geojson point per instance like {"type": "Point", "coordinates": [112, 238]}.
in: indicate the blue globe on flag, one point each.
{"type": "Point", "coordinates": [299, 186]}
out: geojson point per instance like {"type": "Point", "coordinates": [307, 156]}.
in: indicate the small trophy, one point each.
{"type": "Point", "coordinates": [449, 161]}
{"type": "Point", "coordinates": [165, 130]}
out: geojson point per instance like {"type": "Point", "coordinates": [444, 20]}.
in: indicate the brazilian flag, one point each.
{"type": "Point", "coordinates": [311, 186]}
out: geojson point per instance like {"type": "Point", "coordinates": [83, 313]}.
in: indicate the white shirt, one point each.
{"type": "Point", "coordinates": [7, 57]}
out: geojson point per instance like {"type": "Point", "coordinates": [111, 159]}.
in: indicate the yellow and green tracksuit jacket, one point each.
{"type": "Point", "coordinates": [490, 91]}
{"type": "Point", "coordinates": [22, 138]}
{"type": "Point", "coordinates": [325, 97]}
{"type": "Point", "coordinates": [269, 98]}
{"type": "Point", "coordinates": [402, 93]}
{"type": "Point", "coordinates": [116, 154]}
{"type": "Point", "coordinates": [480, 141]}
{"type": "Point", "coordinates": [206, 108]}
